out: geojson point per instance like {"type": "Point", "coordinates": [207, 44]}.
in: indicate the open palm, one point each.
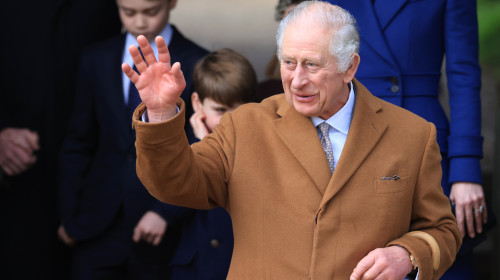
{"type": "Point", "coordinates": [160, 84]}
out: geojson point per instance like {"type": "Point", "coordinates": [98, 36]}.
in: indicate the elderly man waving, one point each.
{"type": "Point", "coordinates": [324, 181]}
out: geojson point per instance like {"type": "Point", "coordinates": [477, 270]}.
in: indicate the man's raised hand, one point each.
{"type": "Point", "coordinates": [160, 84]}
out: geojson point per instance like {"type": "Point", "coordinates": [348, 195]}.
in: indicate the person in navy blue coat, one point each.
{"type": "Point", "coordinates": [403, 44]}
{"type": "Point", "coordinates": [119, 231]}
{"type": "Point", "coordinates": [37, 95]}
{"type": "Point", "coordinates": [223, 79]}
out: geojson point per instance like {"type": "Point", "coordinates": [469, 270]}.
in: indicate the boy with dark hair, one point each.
{"type": "Point", "coordinates": [118, 229]}
{"type": "Point", "coordinates": [224, 79]}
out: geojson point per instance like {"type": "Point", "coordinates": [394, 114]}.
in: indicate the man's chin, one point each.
{"type": "Point", "coordinates": [306, 111]}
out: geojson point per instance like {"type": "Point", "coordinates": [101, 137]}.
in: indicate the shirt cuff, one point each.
{"type": "Point", "coordinates": [411, 278]}
{"type": "Point", "coordinates": [145, 118]}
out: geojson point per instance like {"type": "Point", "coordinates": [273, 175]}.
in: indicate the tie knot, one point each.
{"type": "Point", "coordinates": [324, 127]}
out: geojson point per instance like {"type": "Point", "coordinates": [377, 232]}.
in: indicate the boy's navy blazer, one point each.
{"type": "Point", "coordinates": [98, 174]}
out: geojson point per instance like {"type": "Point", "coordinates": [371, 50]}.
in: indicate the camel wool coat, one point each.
{"type": "Point", "coordinates": [292, 219]}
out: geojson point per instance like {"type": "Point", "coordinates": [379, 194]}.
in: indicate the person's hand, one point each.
{"type": "Point", "coordinates": [17, 147]}
{"type": "Point", "coordinates": [150, 228]}
{"type": "Point", "coordinates": [383, 263]}
{"type": "Point", "coordinates": [160, 84]}
{"type": "Point", "coordinates": [470, 207]}
{"type": "Point", "coordinates": [65, 238]}
{"type": "Point", "coordinates": [197, 121]}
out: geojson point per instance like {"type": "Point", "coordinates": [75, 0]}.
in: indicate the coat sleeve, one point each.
{"type": "Point", "coordinates": [177, 174]}
{"type": "Point", "coordinates": [434, 238]}
{"type": "Point", "coordinates": [464, 85]}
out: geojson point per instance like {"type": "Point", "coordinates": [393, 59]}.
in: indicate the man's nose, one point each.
{"type": "Point", "coordinates": [300, 77]}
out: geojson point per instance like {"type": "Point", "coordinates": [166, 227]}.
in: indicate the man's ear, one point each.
{"type": "Point", "coordinates": [195, 100]}
{"type": "Point", "coordinates": [351, 71]}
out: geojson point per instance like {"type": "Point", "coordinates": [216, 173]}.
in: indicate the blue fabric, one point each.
{"type": "Point", "coordinates": [403, 44]}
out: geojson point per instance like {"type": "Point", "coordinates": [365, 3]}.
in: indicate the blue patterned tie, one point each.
{"type": "Point", "coordinates": [327, 144]}
{"type": "Point", "coordinates": [134, 99]}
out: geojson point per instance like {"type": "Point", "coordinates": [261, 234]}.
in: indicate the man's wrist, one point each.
{"type": "Point", "coordinates": [414, 265]}
{"type": "Point", "coordinates": [413, 261]}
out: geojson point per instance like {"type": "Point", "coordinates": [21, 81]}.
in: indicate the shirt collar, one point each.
{"type": "Point", "coordinates": [341, 121]}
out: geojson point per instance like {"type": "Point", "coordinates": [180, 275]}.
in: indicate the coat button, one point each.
{"type": "Point", "coordinates": [214, 243]}
{"type": "Point", "coordinates": [395, 84]}
{"type": "Point", "coordinates": [394, 88]}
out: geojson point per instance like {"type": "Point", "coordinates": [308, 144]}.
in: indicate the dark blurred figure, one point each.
{"type": "Point", "coordinates": [119, 231]}
{"type": "Point", "coordinates": [33, 119]}
{"type": "Point", "coordinates": [272, 85]}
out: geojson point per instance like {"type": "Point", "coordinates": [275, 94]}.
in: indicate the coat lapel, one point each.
{"type": "Point", "coordinates": [386, 10]}
{"type": "Point", "coordinates": [301, 137]}
{"type": "Point", "coordinates": [366, 130]}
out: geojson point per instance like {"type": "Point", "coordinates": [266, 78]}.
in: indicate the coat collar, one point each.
{"type": "Point", "coordinates": [366, 129]}
{"type": "Point", "coordinates": [301, 137]}
{"type": "Point", "coordinates": [386, 10]}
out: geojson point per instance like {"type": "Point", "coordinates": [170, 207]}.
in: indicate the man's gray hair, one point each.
{"type": "Point", "coordinates": [344, 42]}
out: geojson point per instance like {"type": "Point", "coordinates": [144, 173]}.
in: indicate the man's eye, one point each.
{"type": "Point", "coordinates": [310, 64]}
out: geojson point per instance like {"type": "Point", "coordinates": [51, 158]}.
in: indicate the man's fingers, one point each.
{"type": "Point", "coordinates": [163, 53]}
{"type": "Point", "coordinates": [485, 213]}
{"type": "Point", "coordinates": [7, 168]}
{"type": "Point", "coordinates": [32, 140]}
{"type": "Point", "coordinates": [178, 75]}
{"type": "Point", "coordinates": [459, 214]}
{"type": "Point", "coordinates": [157, 240]}
{"type": "Point", "coordinates": [469, 221]}
{"type": "Point", "coordinates": [363, 266]}
{"type": "Point", "coordinates": [131, 74]}
{"type": "Point", "coordinates": [146, 50]}
{"type": "Point", "coordinates": [137, 234]}
{"type": "Point", "coordinates": [478, 219]}
{"type": "Point", "coordinates": [18, 160]}
{"type": "Point", "coordinates": [139, 62]}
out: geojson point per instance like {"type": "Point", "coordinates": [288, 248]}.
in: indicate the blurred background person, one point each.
{"type": "Point", "coordinates": [38, 82]}
{"type": "Point", "coordinates": [119, 231]}
{"type": "Point", "coordinates": [272, 84]}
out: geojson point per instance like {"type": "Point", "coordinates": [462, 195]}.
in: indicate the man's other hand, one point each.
{"type": "Point", "coordinates": [384, 263]}
{"type": "Point", "coordinates": [150, 228]}
{"type": "Point", "coordinates": [17, 147]}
